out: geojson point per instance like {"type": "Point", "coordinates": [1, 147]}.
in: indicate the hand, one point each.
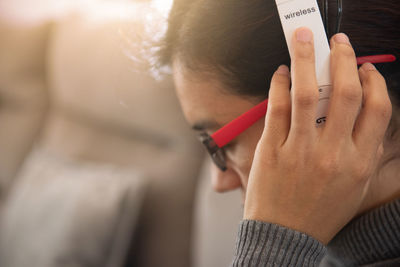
{"type": "Point", "coordinates": [311, 179]}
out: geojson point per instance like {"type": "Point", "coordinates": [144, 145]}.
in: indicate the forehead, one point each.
{"type": "Point", "coordinates": [203, 98]}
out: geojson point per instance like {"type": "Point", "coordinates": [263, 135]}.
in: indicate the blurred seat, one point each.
{"type": "Point", "coordinates": [216, 220]}
{"type": "Point", "coordinates": [23, 93]}
{"type": "Point", "coordinates": [82, 107]}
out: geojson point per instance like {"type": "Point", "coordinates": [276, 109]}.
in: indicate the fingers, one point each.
{"type": "Point", "coordinates": [376, 112]}
{"type": "Point", "coordinates": [304, 86]}
{"type": "Point", "coordinates": [347, 91]}
{"type": "Point", "coordinates": [277, 121]}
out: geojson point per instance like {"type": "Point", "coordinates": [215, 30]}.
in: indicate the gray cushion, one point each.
{"type": "Point", "coordinates": [216, 221]}
{"type": "Point", "coordinates": [66, 213]}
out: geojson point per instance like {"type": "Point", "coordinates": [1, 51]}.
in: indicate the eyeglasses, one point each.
{"type": "Point", "coordinates": [216, 142]}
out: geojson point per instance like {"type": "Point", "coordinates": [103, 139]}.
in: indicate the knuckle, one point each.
{"type": "Point", "coordinates": [367, 77]}
{"type": "Point", "coordinates": [345, 50]}
{"type": "Point", "coordinates": [279, 109]}
{"type": "Point", "coordinates": [303, 59]}
{"type": "Point", "coordinates": [382, 108]}
{"type": "Point", "coordinates": [280, 79]}
{"type": "Point", "coordinates": [349, 92]}
{"type": "Point", "coordinates": [374, 77]}
{"type": "Point", "coordinates": [305, 97]}
{"type": "Point", "coordinates": [304, 52]}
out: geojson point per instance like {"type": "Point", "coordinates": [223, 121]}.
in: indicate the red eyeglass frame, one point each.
{"type": "Point", "coordinates": [230, 131]}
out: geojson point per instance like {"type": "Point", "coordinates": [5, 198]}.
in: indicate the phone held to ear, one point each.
{"type": "Point", "coordinates": [305, 13]}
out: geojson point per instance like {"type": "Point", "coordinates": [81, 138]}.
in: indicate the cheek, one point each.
{"type": "Point", "coordinates": [240, 161]}
{"type": "Point", "coordinates": [241, 156]}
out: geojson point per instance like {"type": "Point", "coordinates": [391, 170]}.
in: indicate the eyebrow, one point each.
{"type": "Point", "coordinates": [206, 125]}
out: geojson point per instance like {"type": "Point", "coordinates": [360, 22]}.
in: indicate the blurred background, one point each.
{"type": "Point", "coordinates": [97, 165]}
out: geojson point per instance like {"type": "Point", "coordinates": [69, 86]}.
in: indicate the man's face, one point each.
{"type": "Point", "coordinates": [207, 107]}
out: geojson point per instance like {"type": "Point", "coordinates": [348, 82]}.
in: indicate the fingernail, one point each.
{"type": "Point", "coordinates": [341, 38]}
{"type": "Point", "coordinates": [304, 35]}
{"type": "Point", "coordinates": [368, 67]}
{"type": "Point", "coordinates": [283, 70]}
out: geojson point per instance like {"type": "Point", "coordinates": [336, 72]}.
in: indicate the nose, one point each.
{"type": "Point", "coordinates": [224, 181]}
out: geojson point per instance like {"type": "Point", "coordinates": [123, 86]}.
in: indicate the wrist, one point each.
{"type": "Point", "coordinates": [275, 245]}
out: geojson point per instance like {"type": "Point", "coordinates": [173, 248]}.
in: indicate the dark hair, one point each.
{"type": "Point", "coordinates": [242, 41]}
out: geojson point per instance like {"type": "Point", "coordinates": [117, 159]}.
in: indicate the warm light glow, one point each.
{"type": "Point", "coordinates": [163, 5]}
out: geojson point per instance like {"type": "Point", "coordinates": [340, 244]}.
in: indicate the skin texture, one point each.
{"type": "Point", "coordinates": [293, 173]}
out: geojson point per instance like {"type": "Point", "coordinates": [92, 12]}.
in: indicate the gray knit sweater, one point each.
{"type": "Point", "coordinates": [370, 240]}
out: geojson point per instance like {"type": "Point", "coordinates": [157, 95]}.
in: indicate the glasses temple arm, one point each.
{"type": "Point", "coordinates": [376, 59]}
{"type": "Point", "coordinates": [227, 133]}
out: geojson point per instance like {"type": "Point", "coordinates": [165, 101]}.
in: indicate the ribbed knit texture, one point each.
{"type": "Point", "coordinates": [265, 244]}
{"type": "Point", "coordinates": [371, 238]}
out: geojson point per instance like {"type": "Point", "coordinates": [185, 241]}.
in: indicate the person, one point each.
{"type": "Point", "coordinates": [309, 192]}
